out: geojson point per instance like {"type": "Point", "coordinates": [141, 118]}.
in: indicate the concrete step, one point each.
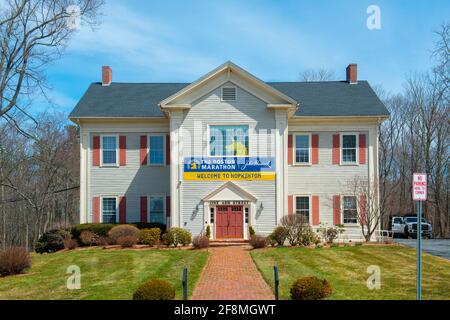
{"type": "Point", "coordinates": [228, 243]}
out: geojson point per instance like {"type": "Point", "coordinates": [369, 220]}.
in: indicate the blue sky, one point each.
{"type": "Point", "coordinates": [179, 41]}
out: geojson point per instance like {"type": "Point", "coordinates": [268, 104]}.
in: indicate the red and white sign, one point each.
{"type": "Point", "coordinates": [419, 186]}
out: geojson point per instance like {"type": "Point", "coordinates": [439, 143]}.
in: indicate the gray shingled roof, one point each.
{"type": "Point", "coordinates": [328, 98]}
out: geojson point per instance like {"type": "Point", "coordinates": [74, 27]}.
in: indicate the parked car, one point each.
{"type": "Point", "coordinates": [406, 227]}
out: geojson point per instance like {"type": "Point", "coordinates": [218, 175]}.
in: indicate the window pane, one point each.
{"type": "Point", "coordinates": [157, 209]}
{"type": "Point", "coordinates": [228, 140]}
{"type": "Point", "coordinates": [156, 150]}
{"type": "Point", "coordinates": [349, 155]}
{"type": "Point", "coordinates": [350, 211]}
{"type": "Point", "coordinates": [109, 210]}
{"type": "Point", "coordinates": [302, 207]}
{"type": "Point", "coordinates": [349, 141]}
{"type": "Point", "coordinates": [302, 149]}
{"type": "Point", "coordinates": [109, 149]}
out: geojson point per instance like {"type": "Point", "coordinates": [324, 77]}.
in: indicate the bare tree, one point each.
{"type": "Point", "coordinates": [321, 74]}
{"type": "Point", "coordinates": [33, 33]}
{"type": "Point", "coordinates": [368, 214]}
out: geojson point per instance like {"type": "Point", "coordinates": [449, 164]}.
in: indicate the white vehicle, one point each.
{"type": "Point", "coordinates": [407, 227]}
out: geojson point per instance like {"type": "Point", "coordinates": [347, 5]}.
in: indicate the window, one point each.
{"type": "Point", "coordinates": [109, 150]}
{"type": "Point", "coordinates": [157, 210]}
{"type": "Point", "coordinates": [349, 148]}
{"type": "Point", "coordinates": [228, 140]}
{"type": "Point", "coordinates": [350, 210]}
{"type": "Point", "coordinates": [156, 150]}
{"type": "Point", "coordinates": [302, 144]}
{"type": "Point", "coordinates": [302, 207]}
{"type": "Point", "coordinates": [211, 217]}
{"type": "Point", "coordinates": [398, 220]}
{"type": "Point", "coordinates": [228, 94]}
{"type": "Point", "coordinates": [109, 210]}
{"type": "Point", "coordinates": [246, 215]}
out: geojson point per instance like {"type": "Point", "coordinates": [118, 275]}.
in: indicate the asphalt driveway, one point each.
{"type": "Point", "coordinates": [437, 247]}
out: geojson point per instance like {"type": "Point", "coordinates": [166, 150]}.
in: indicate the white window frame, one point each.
{"type": "Point", "coordinates": [164, 149]}
{"type": "Point", "coordinates": [221, 93]}
{"type": "Point", "coordinates": [341, 149]}
{"type": "Point", "coordinates": [342, 210]}
{"type": "Point", "coordinates": [101, 150]}
{"type": "Point", "coordinates": [149, 198]}
{"type": "Point", "coordinates": [208, 144]}
{"type": "Point", "coordinates": [309, 150]}
{"type": "Point", "coordinates": [309, 202]}
{"type": "Point", "coordinates": [117, 206]}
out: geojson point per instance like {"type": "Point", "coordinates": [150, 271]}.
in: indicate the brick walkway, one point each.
{"type": "Point", "coordinates": [230, 274]}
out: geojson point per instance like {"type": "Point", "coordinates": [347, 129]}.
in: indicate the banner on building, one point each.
{"type": "Point", "coordinates": [229, 168]}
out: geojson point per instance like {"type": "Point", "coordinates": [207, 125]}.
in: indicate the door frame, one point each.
{"type": "Point", "coordinates": [243, 220]}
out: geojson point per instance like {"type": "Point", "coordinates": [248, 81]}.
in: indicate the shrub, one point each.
{"type": "Point", "coordinates": [150, 236]}
{"type": "Point", "coordinates": [52, 241]}
{"type": "Point", "coordinates": [330, 234]}
{"type": "Point", "coordinates": [123, 230]}
{"type": "Point", "coordinates": [150, 225]}
{"type": "Point", "coordinates": [200, 242]}
{"type": "Point", "coordinates": [307, 237]}
{"type": "Point", "coordinates": [251, 231]}
{"type": "Point", "coordinates": [88, 238]}
{"type": "Point", "coordinates": [127, 241]}
{"type": "Point", "coordinates": [310, 288]}
{"type": "Point", "coordinates": [14, 261]}
{"type": "Point", "coordinates": [103, 241]}
{"type": "Point", "coordinates": [100, 229]}
{"type": "Point", "coordinates": [208, 231]}
{"type": "Point", "coordinates": [294, 225]}
{"type": "Point", "coordinates": [70, 244]}
{"type": "Point", "coordinates": [279, 235]}
{"type": "Point", "coordinates": [155, 290]}
{"type": "Point", "coordinates": [176, 236]}
{"type": "Point", "coordinates": [258, 241]}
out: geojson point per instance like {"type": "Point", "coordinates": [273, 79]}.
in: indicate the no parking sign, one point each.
{"type": "Point", "coordinates": [419, 186]}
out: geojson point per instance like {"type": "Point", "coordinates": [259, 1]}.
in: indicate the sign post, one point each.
{"type": "Point", "coordinates": [419, 194]}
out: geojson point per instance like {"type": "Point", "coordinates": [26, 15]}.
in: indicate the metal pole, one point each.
{"type": "Point", "coordinates": [185, 280]}
{"type": "Point", "coordinates": [419, 250]}
{"type": "Point", "coordinates": [277, 282]}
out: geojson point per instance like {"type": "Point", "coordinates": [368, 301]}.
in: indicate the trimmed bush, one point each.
{"type": "Point", "coordinates": [258, 241]}
{"type": "Point", "coordinates": [155, 290]}
{"type": "Point", "coordinates": [14, 261]}
{"type": "Point", "coordinates": [251, 231]}
{"type": "Point", "coordinates": [123, 230]}
{"type": "Point", "coordinates": [279, 235]}
{"type": "Point", "coordinates": [200, 242]}
{"type": "Point", "coordinates": [208, 231]}
{"type": "Point", "coordinates": [150, 236]}
{"type": "Point", "coordinates": [103, 241]}
{"type": "Point", "coordinates": [88, 238]}
{"type": "Point", "coordinates": [127, 241]}
{"type": "Point", "coordinates": [307, 237]}
{"type": "Point", "coordinates": [70, 244]}
{"type": "Point", "coordinates": [150, 225]}
{"type": "Point", "coordinates": [52, 241]}
{"type": "Point", "coordinates": [176, 236]}
{"type": "Point", "coordinates": [100, 229]}
{"type": "Point", "coordinates": [310, 288]}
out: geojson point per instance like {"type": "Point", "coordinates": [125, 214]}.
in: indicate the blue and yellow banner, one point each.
{"type": "Point", "coordinates": [229, 168]}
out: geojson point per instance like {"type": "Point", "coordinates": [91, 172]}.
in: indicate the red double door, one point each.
{"type": "Point", "coordinates": [229, 222]}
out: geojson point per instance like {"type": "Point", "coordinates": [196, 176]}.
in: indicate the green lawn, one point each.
{"type": "Point", "coordinates": [105, 274]}
{"type": "Point", "coordinates": [346, 269]}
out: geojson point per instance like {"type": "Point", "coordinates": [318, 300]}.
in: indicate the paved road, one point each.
{"type": "Point", "coordinates": [435, 247]}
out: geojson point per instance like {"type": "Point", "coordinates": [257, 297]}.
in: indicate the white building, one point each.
{"type": "Point", "coordinates": [227, 150]}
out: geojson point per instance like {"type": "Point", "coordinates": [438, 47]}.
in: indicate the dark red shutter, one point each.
{"type": "Point", "coordinates": [168, 149]}
{"type": "Point", "coordinates": [96, 151]}
{"type": "Point", "coordinates": [362, 149]}
{"type": "Point", "coordinates": [290, 204]}
{"type": "Point", "coordinates": [96, 209]}
{"type": "Point", "coordinates": [143, 150]}
{"type": "Point", "coordinates": [122, 209]}
{"type": "Point", "coordinates": [337, 209]}
{"type": "Point", "coordinates": [168, 206]}
{"type": "Point", "coordinates": [290, 151]}
{"type": "Point", "coordinates": [315, 148]}
{"type": "Point", "coordinates": [362, 209]}
{"type": "Point", "coordinates": [144, 209]}
{"type": "Point", "coordinates": [315, 210]}
{"type": "Point", "coordinates": [122, 150]}
{"type": "Point", "coordinates": [336, 149]}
